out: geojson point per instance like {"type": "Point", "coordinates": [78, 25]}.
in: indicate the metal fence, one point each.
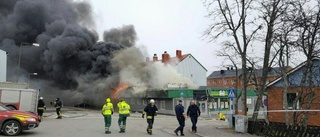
{"type": "Point", "coordinates": [281, 130]}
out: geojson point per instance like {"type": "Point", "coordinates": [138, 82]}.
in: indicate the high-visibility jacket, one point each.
{"type": "Point", "coordinates": [107, 108]}
{"type": "Point", "coordinates": [124, 108]}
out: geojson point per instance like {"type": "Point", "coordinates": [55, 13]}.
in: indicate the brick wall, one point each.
{"type": "Point", "coordinates": [230, 82]}
{"type": "Point", "coordinates": [275, 102]}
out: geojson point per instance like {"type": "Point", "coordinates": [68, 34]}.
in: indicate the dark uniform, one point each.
{"type": "Point", "coordinates": [40, 108]}
{"type": "Point", "coordinates": [193, 112]}
{"type": "Point", "coordinates": [179, 109]}
{"type": "Point", "coordinates": [150, 111]}
{"type": "Point", "coordinates": [58, 104]}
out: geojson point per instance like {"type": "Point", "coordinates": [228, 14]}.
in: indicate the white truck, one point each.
{"type": "Point", "coordinates": [19, 99]}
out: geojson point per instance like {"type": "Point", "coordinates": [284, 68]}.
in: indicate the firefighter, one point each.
{"type": "Point", "coordinates": [181, 117]}
{"type": "Point", "coordinates": [107, 111]}
{"type": "Point", "coordinates": [40, 108]}
{"type": "Point", "coordinates": [150, 110]}
{"type": "Point", "coordinates": [124, 112]}
{"type": "Point", "coordinates": [58, 104]}
{"type": "Point", "coordinates": [193, 112]}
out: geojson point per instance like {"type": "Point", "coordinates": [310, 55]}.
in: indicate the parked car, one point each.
{"type": "Point", "coordinates": [13, 122]}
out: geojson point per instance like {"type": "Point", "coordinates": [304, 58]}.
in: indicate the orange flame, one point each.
{"type": "Point", "coordinates": [122, 86]}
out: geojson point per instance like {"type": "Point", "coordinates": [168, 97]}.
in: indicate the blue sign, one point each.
{"type": "Point", "coordinates": [231, 93]}
{"type": "Point", "coordinates": [265, 102]}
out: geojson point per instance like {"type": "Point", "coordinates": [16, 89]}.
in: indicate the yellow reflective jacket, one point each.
{"type": "Point", "coordinates": [107, 108]}
{"type": "Point", "coordinates": [124, 108]}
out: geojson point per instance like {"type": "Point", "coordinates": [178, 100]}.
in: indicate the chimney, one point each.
{"type": "Point", "coordinates": [179, 54]}
{"type": "Point", "coordinates": [165, 57]}
{"type": "Point", "coordinates": [155, 57]}
{"type": "Point", "coordinates": [221, 72]}
{"type": "Point", "coordinates": [147, 59]}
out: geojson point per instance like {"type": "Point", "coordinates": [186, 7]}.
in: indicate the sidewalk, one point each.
{"type": "Point", "coordinates": [211, 128]}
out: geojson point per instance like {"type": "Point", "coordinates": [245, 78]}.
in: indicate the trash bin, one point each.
{"type": "Point", "coordinates": [241, 123]}
{"type": "Point", "coordinates": [230, 120]}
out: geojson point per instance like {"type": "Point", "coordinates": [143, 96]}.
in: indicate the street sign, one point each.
{"type": "Point", "coordinates": [231, 93]}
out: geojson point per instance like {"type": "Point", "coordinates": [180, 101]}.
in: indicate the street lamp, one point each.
{"type": "Point", "coordinates": [29, 75]}
{"type": "Point", "coordinates": [19, 59]}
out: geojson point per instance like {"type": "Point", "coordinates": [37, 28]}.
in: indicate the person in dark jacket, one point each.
{"type": "Point", "coordinates": [193, 112]}
{"type": "Point", "coordinates": [40, 108]}
{"type": "Point", "coordinates": [181, 117]}
{"type": "Point", "coordinates": [150, 110]}
{"type": "Point", "coordinates": [58, 105]}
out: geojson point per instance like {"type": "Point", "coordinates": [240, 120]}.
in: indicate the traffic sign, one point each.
{"type": "Point", "coordinates": [231, 93]}
{"type": "Point", "coordinates": [181, 93]}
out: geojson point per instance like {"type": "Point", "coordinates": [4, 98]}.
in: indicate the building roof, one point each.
{"type": "Point", "coordinates": [291, 71]}
{"type": "Point", "coordinates": [273, 72]}
{"type": "Point", "coordinates": [184, 56]}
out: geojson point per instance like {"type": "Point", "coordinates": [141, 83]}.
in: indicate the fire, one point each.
{"type": "Point", "coordinates": [122, 86]}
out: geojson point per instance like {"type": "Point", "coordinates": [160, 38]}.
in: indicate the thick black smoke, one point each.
{"type": "Point", "coordinates": [68, 44]}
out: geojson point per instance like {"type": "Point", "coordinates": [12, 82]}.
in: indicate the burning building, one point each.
{"type": "Point", "coordinates": [190, 72]}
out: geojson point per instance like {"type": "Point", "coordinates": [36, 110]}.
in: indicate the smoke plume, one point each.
{"type": "Point", "coordinates": [70, 61]}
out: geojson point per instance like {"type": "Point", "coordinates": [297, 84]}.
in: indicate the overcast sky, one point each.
{"type": "Point", "coordinates": [161, 25]}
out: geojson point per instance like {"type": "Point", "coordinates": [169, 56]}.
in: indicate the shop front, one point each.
{"type": "Point", "coordinates": [219, 100]}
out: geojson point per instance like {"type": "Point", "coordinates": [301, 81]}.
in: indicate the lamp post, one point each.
{"type": "Point", "coordinates": [29, 75]}
{"type": "Point", "coordinates": [19, 59]}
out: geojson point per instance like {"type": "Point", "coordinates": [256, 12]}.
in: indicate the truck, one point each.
{"type": "Point", "coordinates": [19, 99]}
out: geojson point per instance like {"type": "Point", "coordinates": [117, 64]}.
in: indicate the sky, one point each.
{"type": "Point", "coordinates": [161, 25]}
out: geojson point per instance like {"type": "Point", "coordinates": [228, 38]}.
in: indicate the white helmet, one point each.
{"type": "Point", "coordinates": [152, 101]}
{"type": "Point", "coordinates": [41, 98]}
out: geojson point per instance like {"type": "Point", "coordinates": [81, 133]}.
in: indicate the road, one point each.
{"type": "Point", "coordinates": [90, 124]}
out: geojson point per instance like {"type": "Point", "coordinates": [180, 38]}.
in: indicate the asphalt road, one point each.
{"type": "Point", "coordinates": [90, 124]}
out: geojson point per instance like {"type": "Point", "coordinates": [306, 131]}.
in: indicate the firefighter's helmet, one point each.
{"type": "Point", "coordinates": [152, 101]}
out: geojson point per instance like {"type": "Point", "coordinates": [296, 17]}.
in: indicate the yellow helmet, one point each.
{"type": "Point", "coordinates": [108, 100]}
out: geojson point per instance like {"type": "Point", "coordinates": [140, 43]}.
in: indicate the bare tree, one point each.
{"type": "Point", "coordinates": [308, 38]}
{"type": "Point", "coordinates": [272, 11]}
{"type": "Point", "coordinates": [231, 20]}
{"type": "Point", "coordinates": [233, 59]}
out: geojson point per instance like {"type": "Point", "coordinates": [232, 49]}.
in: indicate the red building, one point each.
{"type": "Point", "coordinates": [309, 94]}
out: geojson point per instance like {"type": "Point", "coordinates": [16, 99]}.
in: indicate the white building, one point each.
{"type": "Point", "coordinates": [3, 66]}
{"type": "Point", "coordinates": [187, 66]}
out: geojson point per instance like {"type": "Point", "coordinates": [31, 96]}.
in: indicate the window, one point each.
{"type": "Point", "coordinates": [162, 105]}
{"type": "Point", "coordinates": [290, 99]}
{"type": "Point", "coordinates": [233, 81]}
{"type": "Point", "coordinates": [138, 101]}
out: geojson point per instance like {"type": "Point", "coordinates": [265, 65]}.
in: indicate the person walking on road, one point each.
{"type": "Point", "coordinates": [124, 112]}
{"type": "Point", "coordinates": [151, 111]}
{"type": "Point", "coordinates": [107, 111]}
{"type": "Point", "coordinates": [193, 112]}
{"type": "Point", "coordinates": [40, 108]}
{"type": "Point", "coordinates": [58, 105]}
{"type": "Point", "coordinates": [181, 117]}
